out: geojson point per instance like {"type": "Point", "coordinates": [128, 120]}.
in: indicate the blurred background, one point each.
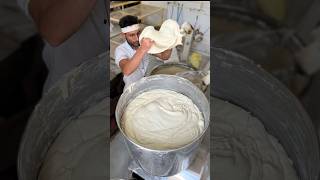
{"type": "Point", "coordinates": [22, 75]}
{"type": "Point", "coordinates": [281, 36]}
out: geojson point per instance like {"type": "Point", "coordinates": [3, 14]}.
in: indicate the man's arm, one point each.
{"type": "Point", "coordinates": [129, 66]}
{"type": "Point", "coordinates": [165, 55]}
{"type": "Point", "coordinates": [57, 20]}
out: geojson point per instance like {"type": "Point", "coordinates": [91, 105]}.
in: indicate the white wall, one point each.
{"type": "Point", "coordinates": [189, 13]}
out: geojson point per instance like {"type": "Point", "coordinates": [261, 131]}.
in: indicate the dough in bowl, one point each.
{"type": "Point", "coordinates": [162, 119]}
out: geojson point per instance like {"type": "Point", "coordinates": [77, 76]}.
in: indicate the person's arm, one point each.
{"type": "Point", "coordinates": [57, 20]}
{"type": "Point", "coordinates": [165, 55]}
{"type": "Point", "coordinates": [128, 66]}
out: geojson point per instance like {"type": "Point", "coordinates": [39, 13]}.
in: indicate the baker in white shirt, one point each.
{"type": "Point", "coordinates": [131, 56]}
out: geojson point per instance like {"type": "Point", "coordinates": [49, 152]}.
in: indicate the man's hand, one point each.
{"type": "Point", "coordinates": [165, 55]}
{"type": "Point", "coordinates": [146, 44]}
{"type": "Point", "coordinates": [128, 66]}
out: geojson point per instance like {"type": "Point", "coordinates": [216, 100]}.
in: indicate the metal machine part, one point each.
{"type": "Point", "coordinates": [187, 43]}
{"type": "Point", "coordinates": [182, 70]}
{"type": "Point", "coordinates": [196, 77]}
{"type": "Point", "coordinates": [164, 162]}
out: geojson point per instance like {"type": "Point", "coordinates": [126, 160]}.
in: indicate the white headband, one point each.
{"type": "Point", "coordinates": [130, 28]}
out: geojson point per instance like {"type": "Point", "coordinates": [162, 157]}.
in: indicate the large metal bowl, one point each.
{"type": "Point", "coordinates": [163, 162]}
{"type": "Point", "coordinates": [165, 68]}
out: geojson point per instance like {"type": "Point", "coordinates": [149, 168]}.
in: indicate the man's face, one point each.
{"type": "Point", "coordinates": [133, 38]}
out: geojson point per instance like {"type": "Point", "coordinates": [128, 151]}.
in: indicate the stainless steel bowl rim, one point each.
{"type": "Point", "coordinates": [171, 64]}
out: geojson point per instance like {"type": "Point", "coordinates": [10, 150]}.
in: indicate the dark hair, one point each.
{"type": "Point", "coordinates": [128, 21]}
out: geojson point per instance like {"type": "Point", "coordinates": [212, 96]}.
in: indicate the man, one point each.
{"type": "Point", "coordinates": [73, 31]}
{"type": "Point", "coordinates": [131, 56]}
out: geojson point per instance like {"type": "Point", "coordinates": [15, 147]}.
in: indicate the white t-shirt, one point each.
{"type": "Point", "coordinates": [88, 42]}
{"type": "Point", "coordinates": [125, 51]}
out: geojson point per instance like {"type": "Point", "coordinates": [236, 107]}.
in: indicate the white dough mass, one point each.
{"type": "Point", "coordinates": [167, 37]}
{"type": "Point", "coordinates": [162, 119]}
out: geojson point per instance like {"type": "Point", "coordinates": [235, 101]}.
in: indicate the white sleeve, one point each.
{"type": "Point", "coordinates": [24, 5]}
{"type": "Point", "coordinates": [120, 54]}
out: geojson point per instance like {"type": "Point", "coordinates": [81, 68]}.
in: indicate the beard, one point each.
{"type": "Point", "coordinates": [134, 45]}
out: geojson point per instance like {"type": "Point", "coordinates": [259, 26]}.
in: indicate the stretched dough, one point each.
{"type": "Point", "coordinates": [162, 119]}
{"type": "Point", "coordinates": [167, 37]}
